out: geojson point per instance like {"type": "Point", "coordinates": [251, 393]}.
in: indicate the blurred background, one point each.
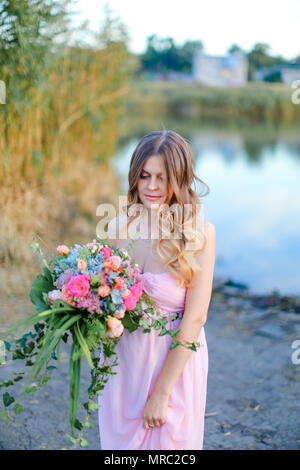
{"type": "Point", "coordinates": [82, 81]}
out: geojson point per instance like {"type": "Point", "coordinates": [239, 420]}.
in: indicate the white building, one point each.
{"type": "Point", "coordinates": [230, 70]}
{"type": "Point", "coordinates": [287, 73]}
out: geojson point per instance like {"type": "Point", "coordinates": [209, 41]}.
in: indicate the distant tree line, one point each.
{"type": "Point", "coordinates": [163, 55]}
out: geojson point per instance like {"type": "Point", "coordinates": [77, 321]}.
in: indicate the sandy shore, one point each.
{"type": "Point", "coordinates": [253, 380]}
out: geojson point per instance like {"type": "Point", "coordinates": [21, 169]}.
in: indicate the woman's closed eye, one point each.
{"type": "Point", "coordinates": [147, 176]}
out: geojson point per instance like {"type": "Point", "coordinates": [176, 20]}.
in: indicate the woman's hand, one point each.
{"type": "Point", "coordinates": [155, 411]}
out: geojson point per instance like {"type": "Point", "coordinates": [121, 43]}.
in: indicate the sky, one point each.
{"type": "Point", "coordinates": [218, 23]}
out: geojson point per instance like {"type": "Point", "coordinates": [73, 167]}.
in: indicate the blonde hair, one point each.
{"type": "Point", "coordinates": [179, 162]}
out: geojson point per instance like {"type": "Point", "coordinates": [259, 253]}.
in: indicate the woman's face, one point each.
{"type": "Point", "coordinates": [153, 182]}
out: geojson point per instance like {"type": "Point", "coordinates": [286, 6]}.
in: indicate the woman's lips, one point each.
{"type": "Point", "coordinates": [152, 198]}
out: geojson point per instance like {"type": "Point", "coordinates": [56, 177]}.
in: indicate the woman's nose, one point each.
{"type": "Point", "coordinates": [153, 183]}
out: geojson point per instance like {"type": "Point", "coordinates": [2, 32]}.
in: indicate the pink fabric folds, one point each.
{"type": "Point", "coordinates": [141, 357]}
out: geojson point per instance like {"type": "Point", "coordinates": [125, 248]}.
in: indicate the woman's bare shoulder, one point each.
{"type": "Point", "coordinates": [209, 228]}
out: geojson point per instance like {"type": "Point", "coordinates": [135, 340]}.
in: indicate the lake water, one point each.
{"type": "Point", "coordinates": [254, 203]}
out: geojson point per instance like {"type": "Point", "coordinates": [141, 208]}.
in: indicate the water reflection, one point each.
{"type": "Point", "coordinates": [254, 203]}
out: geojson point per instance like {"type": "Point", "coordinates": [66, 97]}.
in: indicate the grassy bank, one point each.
{"type": "Point", "coordinates": [257, 101]}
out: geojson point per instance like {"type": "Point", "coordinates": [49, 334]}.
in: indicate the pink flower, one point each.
{"type": "Point", "coordinates": [132, 272]}
{"type": "Point", "coordinates": [102, 276]}
{"type": "Point", "coordinates": [113, 262]}
{"type": "Point", "coordinates": [130, 302]}
{"type": "Point", "coordinates": [119, 283]}
{"type": "Point", "coordinates": [66, 296]}
{"type": "Point", "coordinates": [79, 285]}
{"type": "Point", "coordinates": [81, 265]}
{"type": "Point", "coordinates": [103, 291]}
{"type": "Point", "coordinates": [91, 302]}
{"type": "Point", "coordinates": [137, 289]}
{"type": "Point", "coordinates": [115, 327]}
{"type": "Point", "coordinates": [120, 313]}
{"type": "Point", "coordinates": [106, 251]}
{"type": "Point", "coordinates": [63, 249]}
{"type": "Point", "coordinates": [126, 293]}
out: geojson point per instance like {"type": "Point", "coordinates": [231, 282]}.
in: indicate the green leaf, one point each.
{"type": "Point", "coordinates": [31, 390]}
{"type": "Point", "coordinates": [7, 399]}
{"type": "Point", "coordinates": [18, 409]}
{"type": "Point", "coordinates": [42, 283]}
{"type": "Point", "coordinates": [156, 325]}
{"type": "Point", "coordinates": [83, 442]}
{"type": "Point", "coordinates": [29, 319]}
{"type": "Point", "coordinates": [7, 383]}
{"type": "Point", "coordinates": [83, 344]}
{"type": "Point", "coordinates": [18, 355]}
{"type": "Point", "coordinates": [174, 344]}
{"type": "Point", "coordinates": [18, 377]}
{"type": "Point", "coordinates": [93, 406]}
{"type": "Point", "coordinates": [147, 330]}
{"type": "Point", "coordinates": [29, 347]}
{"type": "Point", "coordinates": [78, 425]}
{"type": "Point", "coordinates": [72, 439]}
{"type": "Point", "coordinates": [40, 361]}
{"type": "Point", "coordinates": [48, 275]}
{"type": "Point", "coordinates": [128, 323]}
{"type": "Point", "coordinates": [74, 371]}
{"type": "Point", "coordinates": [44, 380]}
{"type": "Point", "coordinates": [112, 307]}
{"type": "Point", "coordinates": [65, 338]}
{"type": "Point", "coordinates": [163, 332]}
{"type": "Point", "coordinates": [4, 414]}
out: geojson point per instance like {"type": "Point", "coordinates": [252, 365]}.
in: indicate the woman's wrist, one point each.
{"type": "Point", "coordinates": [162, 391]}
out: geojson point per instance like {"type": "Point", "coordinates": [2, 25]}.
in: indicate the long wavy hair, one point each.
{"type": "Point", "coordinates": [176, 253]}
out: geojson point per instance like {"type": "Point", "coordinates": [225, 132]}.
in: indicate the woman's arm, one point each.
{"type": "Point", "coordinates": [195, 315]}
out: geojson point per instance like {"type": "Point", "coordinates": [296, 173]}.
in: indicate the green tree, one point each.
{"type": "Point", "coordinates": [162, 54]}
{"type": "Point", "coordinates": [235, 48]}
{"type": "Point", "coordinates": [186, 54]}
{"type": "Point", "coordinates": [259, 57]}
{"type": "Point", "coordinates": [28, 29]}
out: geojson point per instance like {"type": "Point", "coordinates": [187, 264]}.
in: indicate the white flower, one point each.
{"type": "Point", "coordinates": [54, 295]}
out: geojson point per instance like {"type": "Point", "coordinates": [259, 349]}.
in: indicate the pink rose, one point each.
{"type": "Point", "coordinates": [66, 296]}
{"type": "Point", "coordinates": [103, 291]}
{"type": "Point", "coordinates": [137, 289]}
{"type": "Point", "coordinates": [115, 327]}
{"type": "Point", "coordinates": [130, 302]}
{"type": "Point", "coordinates": [119, 283]}
{"type": "Point", "coordinates": [113, 262]}
{"type": "Point", "coordinates": [79, 285]}
{"type": "Point", "coordinates": [63, 249]}
{"type": "Point", "coordinates": [126, 293]}
{"type": "Point", "coordinates": [106, 251]}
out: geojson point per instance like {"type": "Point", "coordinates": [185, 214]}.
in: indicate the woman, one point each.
{"type": "Point", "coordinates": [157, 398]}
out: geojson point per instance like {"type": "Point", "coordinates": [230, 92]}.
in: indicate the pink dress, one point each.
{"type": "Point", "coordinates": [141, 357]}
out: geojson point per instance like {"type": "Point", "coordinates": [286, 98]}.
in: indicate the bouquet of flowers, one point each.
{"type": "Point", "coordinates": [88, 293]}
